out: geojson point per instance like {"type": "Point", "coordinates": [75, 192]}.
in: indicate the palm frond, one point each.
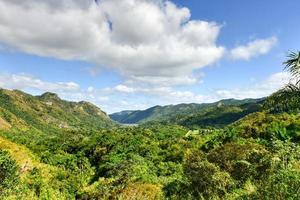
{"type": "Point", "coordinates": [293, 64]}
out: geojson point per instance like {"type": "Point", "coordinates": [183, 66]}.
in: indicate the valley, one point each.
{"type": "Point", "coordinates": [231, 149]}
{"type": "Point", "coordinates": [149, 100]}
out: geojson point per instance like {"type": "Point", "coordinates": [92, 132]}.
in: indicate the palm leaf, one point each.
{"type": "Point", "coordinates": [293, 64]}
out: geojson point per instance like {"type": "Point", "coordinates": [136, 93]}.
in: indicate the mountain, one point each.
{"type": "Point", "coordinates": [55, 149]}
{"type": "Point", "coordinates": [171, 112]}
{"type": "Point", "coordinates": [219, 116]}
{"type": "Point", "coordinates": [48, 113]}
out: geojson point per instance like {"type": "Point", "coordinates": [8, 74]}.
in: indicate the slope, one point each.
{"type": "Point", "coordinates": [170, 112]}
{"type": "Point", "coordinates": [218, 117]}
{"type": "Point", "coordinates": [48, 113]}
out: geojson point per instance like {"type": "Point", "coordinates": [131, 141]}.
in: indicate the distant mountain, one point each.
{"type": "Point", "coordinates": [48, 113]}
{"type": "Point", "coordinates": [122, 116]}
{"type": "Point", "coordinates": [173, 113]}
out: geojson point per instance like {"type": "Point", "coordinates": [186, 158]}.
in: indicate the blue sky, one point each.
{"type": "Point", "coordinates": [138, 53]}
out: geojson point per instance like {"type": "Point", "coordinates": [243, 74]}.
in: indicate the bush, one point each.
{"type": "Point", "coordinates": [206, 179]}
{"type": "Point", "coordinates": [242, 161]}
{"type": "Point", "coordinates": [285, 184]}
{"type": "Point", "coordinates": [139, 191]}
{"type": "Point", "coordinates": [9, 176]}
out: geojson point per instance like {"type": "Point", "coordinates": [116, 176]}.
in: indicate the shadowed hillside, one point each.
{"type": "Point", "coordinates": [174, 113]}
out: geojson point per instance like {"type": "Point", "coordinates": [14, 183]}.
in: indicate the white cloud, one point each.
{"type": "Point", "coordinates": [102, 99]}
{"type": "Point", "coordinates": [153, 44]}
{"type": "Point", "coordinates": [124, 88]}
{"type": "Point", "coordinates": [253, 49]}
{"type": "Point", "coordinates": [138, 38]}
{"type": "Point", "coordinates": [90, 89]}
{"type": "Point", "coordinates": [163, 81]}
{"type": "Point", "coordinates": [124, 97]}
{"type": "Point", "coordinates": [157, 95]}
{"type": "Point", "coordinates": [262, 89]}
{"type": "Point", "coordinates": [167, 95]}
{"type": "Point", "coordinates": [24, 81]}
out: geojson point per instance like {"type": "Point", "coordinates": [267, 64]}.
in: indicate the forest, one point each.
{"type": "Point", "coordinates": [55, 149]}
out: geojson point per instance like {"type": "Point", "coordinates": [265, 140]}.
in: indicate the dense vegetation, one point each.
{"type": "Point", "coordinates": [49, 113]}
{"type": "Point", "coordinates": [236, 151]}
{"type": "Point", "coordinates": [175, 112]}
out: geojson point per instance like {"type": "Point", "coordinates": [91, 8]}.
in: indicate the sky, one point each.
{"type": "Point", "coordinates": [134, 54]}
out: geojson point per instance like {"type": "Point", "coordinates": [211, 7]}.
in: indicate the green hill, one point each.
{"type": "Point", "coordinates": [174, 112]}
{"type": "Point", "coordinates": [231, 149]}
{"type": "Point", "coordinates": [42, 135]}
{"type": "Point", "coordinates": [218, 116]}
{"type": "Point", "coordinates": [48, 113]}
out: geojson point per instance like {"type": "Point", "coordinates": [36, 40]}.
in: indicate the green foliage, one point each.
{"type": "Point", "coordinates": [270, 126]}
{"type": "Point", "coordinates": [218, 117]}
{"type": "Point", "coordinates": [287, 99]}
{"type": "Point", "coordinates": [257, 156]}
{"type": "Point", "coordinates": [242, 161]}
{"type": "Point", "coordinates": [9, 176]}
{"type": "Point", "coordinates": [284, 100]}
{"type": "Point", "coordinates": [283, 184]}
{"type": "Point", "coordinates": [174, 113]}
{"type": "Point", "coordinates": [293, 63]}
{"type": "Point", "coordinates": [49, 114]}
{"type": "Point", "coordinates": [206, 180]}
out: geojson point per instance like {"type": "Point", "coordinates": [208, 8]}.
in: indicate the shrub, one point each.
{"type": "Point", "coordinates": [9, 176]}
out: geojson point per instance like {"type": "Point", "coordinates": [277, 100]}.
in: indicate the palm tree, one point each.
{"type": "Point", "coordinates": [293, 64]}
{"type": "Point", "coordinates": [288, 98]}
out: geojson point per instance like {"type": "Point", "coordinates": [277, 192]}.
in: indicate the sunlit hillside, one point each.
{"type": "Point", "coordinates": [149, 100]}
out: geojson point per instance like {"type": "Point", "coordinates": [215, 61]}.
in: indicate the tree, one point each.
{"type": "Point", "coordinates": [284, 184]}
{"type": "Point", "coordinates": [288, 98]}
{"type": "Point", "coordinates": [207, 180]}
{"type": "Point", "coordinates": [293, 64]}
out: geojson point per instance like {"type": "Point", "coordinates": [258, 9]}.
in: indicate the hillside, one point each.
{"type": "Point", "coordinates": [31, 174]}
{"type": "Point", "coordinates": [217, 117]}
{"type": "Point", "coordinates": [175, 112]}
{"type": "Point", "coordinates": [48, 113]}
{"type": "Point", "coordinates": [231, 149]}
{"type": "Point", "coordinates": [248, 152]}
{"type": "Point", "coordinates": [149, 100]}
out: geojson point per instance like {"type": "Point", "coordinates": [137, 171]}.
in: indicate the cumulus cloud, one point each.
{"type": "Point", "coordinates": [138, 38]}
{"type": "Point", "coordinates": [253, 49]}
{"type": "Point", "coordinates": [153, 44]}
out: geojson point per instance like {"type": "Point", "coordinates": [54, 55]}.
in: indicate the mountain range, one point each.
{"type": "Point", "coordinates": [56, 149]}
{"type": "Point", "coordinates": [185, 113]}
{"type": "Point", "coordinates": [47, 111]}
